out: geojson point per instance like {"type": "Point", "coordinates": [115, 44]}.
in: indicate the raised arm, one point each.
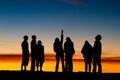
{"type": "Point", "coordinates": [62, 36]}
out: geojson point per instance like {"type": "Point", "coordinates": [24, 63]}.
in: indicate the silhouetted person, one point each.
{"type": "Point", "coordinates": [25, 53]}
{"type": "Point", "coordinates": [69, 51]}
{"type": "Point", "coordinates": [58, 49]}
{"type": "Point", "coordinates": [97, 54]}
{"type": "Point", "coordinates": [87, 54]}
{"type": "Point", "coordinates": [33, 52]}
{"type": "Point", "coordinates": [40, 55]}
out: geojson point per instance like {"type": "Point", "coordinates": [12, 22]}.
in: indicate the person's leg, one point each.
{"type": "Point", "coordinates": [22, 64]}
{"type": "Point", "coordinates": [94, 66]}
{"type": "Point", "coordinates": [89, 67]}
{"type": "Point", "coordinates": [21, 67]}
{"type": "Point", "coordinates": [33, 64]}
{"type": "Point", "coordinates": [85, 66]}
{"type": "Point", "coordinates": [57, 63]}
{"type": "Point", "coordinates": [66, 62]}
{"type": "Point", "coordinates": [99, 67]}
{"type": "Point", "coordinates": [41, 64]}
{"type": "Point", "coordinates": [70, 64]}
{"type": "Point", "coordinates": [62, 61]}
{"type": "Point", "coordinates": [37, 64]}
{"type": "Point", "coordinates": [25, 67]}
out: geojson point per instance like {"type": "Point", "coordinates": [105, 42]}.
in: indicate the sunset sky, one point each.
{"type": "Point", "coordinates": [80, 19]}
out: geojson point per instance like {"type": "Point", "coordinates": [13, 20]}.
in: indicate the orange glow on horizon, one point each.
{"type": "Point", "coordinates": [14, 63]}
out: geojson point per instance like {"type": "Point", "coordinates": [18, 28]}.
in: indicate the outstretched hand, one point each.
{"type": "Point", "coordinates": [62, 31]}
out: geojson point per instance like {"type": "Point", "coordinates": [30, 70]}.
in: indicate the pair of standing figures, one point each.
{"type": "Point", "coordinates": [94, 53]}
{"type": "Point", "coordinates": [37, 53]}
{"type": "Point", "coordinates": [68, 50]}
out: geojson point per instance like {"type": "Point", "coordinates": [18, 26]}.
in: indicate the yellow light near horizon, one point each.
{"type": "Point", "coordinates": [9, 66]}
{"type": "Point", "coordinates": [49, 66]}
{"type": "Point", "coordinates": [13, 63]}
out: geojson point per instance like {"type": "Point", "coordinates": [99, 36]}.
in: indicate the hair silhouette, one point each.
{"type": "Point", "coordinates": [58, 49]}
{"type": "Point", "coordinates": [97, 48]}
{"type": "Point", "coordinates": [33, 52]}
{"type": "Point", "coordinates": [69, 51]}
{"type": "Point", "coordinates": [25, 53]}
{"type": "Point", "coordinates": [40, 55]}
{"type": "Point", "coordinates": [87, 54]}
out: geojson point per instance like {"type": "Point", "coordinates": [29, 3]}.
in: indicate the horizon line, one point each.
{"type": "Point", "coordinates": [75, 57]}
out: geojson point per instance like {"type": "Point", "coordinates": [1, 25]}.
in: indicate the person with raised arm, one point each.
{"type": "Point", "coordinates": [58, 49]}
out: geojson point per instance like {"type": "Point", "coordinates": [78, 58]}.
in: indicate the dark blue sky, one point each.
{"type": "Point", "coordinates": [81, 20]}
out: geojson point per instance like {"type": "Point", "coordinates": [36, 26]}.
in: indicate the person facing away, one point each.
{"type": "Point", "coordinates": [40, 55]}
{"type": "Point", "coordinates": [69, 51]}
{"type": "Point", "coordinates": [58, 49]}
{"type": "Point", "coordinates": [33, 52]}
{"type": "Point", "coordinates": [97, 54]}
{"type": "Point", "coordinates": [25, 53]}
{"type": "Point", "coordinates": [87, 54]}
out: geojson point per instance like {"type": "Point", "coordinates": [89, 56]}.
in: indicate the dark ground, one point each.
{"type": "Point", "coordinates": [28, 75]}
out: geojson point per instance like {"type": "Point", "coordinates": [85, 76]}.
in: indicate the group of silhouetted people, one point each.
{"type": "Point", "coordinates": [68, 50]}
{"type": "Point", "coordinates": [37, 53]}
{"type": "Point", "coordinates": [92, 54]}
{"type": "Point", "coordinates": [64, 52]}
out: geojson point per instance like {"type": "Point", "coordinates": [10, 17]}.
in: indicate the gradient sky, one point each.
{"type": "Point", "coordinates": [80, 19]}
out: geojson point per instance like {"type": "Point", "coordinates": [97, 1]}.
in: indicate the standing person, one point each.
{"type": "Point", "coordinates": [33, 52]}
{"type": "Point", "coordinates": [87, 54]}
{"type": "Point", "coordinates": [97, 54]}
{"type": "Point", "coordinates": [58, 49]}
{"type": "Point", "coordinates": [25, 53]}
{"type": "Point", "coordinates": [40, 55]}
{"type": "Point", "coordinates": [69, 51]}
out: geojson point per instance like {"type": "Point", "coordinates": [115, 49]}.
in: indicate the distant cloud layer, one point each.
{"type": "Point", "coordinates": [75, 2]}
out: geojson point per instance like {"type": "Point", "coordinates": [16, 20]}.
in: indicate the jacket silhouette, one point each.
{"type": "Point", "coordinates": [69, 51]}
{"type": "Point", "coordinates": [87, 52]}
{"type": "Point", "coordinates": [40, 55]}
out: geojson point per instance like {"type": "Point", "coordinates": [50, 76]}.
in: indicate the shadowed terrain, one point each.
{"type": "Point", "coordinates": [28, 75]}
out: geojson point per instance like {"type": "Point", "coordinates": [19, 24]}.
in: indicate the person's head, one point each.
{"type": "Point", "coordinates": [86, 42]}
{"type": "Point", "coordinates": [56, 39]}
{"type": "Point", "coordinates": [68, 39]}
{"type": "Point", "coordinates": [39, 42]}
{"type": "Point", "coordinates": [25, 37]}
{"type": "Point", "coordinates": [33, 37]}
{"type": "Point", "coordinates": [98, 37]}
